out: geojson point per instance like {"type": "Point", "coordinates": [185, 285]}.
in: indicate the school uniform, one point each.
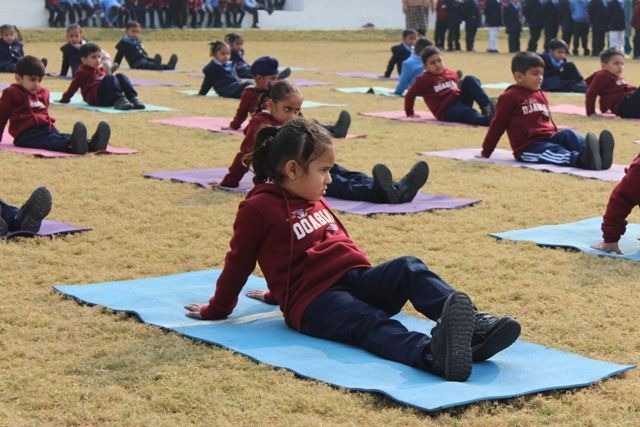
{"type": "Point", "coordinates": [533, 13]}
{"type": "Point", "coordinates": [566, 21]}
{"type": "Point", "coordinates": [580, 16]}
{"type": "Point", "coordinates": [513, 25]}
{"type": "Point", "coordinates": [223, 79]}
{"type": "Point", "coordinates": [551, 19]}
{"type": "Point", "coordinates": [249, 100]}
{"type": "Point", "coordinates": [98, 88]}
{"type": "Point", "coordinates": [70, 58]}
{"type": "Point", "coordinates": [561, 76]}
{"type": "Point", "coordinates": [616, 95]}
{"type": "Point", "coordinates": [243, 70]}
{"type": "Point", "coordinates": [399, 53]}
{"type": "Point", "coordinates": [411, 69]}
{"type": "Point", "coordinates": [471, 14]}
{"type": "Point", "coordinates": [136, 56]}
{"type": "Point", "coordinates": [624, 197]}
{"type": "Point", "coordinates": [454, 19]}
{"type": "Point", "coordinates": [493, 21]}
{"type": "Point", "coordinates": [616, 24]}
{"type": "Point", "coordinates": [441, 23]}
{"type": "Point", "coordinates": [598, 19]}
{"type": "Point", "coordinates": [10, 54]}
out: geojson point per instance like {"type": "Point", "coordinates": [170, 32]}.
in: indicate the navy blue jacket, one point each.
{"type": "Point", "coordinates": [532, 11]}
{"type": "Point", "coordinates": [615, 16]}
{"type": "Point", "coordinates": [223, 80]}
{"type": "Point", "coordinates": [471, 13]}
{"type": "Point", "coordinates": [493, 13]}
{"type": "Point", "coordinates": [10, 53]}
{"type": "Point", "coordinates": [70, 58]}
{"type": "Point", "coordinates": [399, 53]}
{"type": "Point", "coordinates": [598, 15]}
{"type": "Point", "coordinates": [133, 52]}
{"type": "Point", "coordinates": [511, 16]}
{"type": "Point", "coordinates": [454, 12]}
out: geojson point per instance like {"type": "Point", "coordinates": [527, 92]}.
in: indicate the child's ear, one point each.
{"type": "Point", "coordinates": [18, 78]}
{"type": "Point", "coordinates": [291, 169]}
{"type": "Point", "coordinates": [517, 76]}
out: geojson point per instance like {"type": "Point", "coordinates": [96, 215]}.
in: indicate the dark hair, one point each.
{"type": "Point", "coordinates": [558, 44]}
{"type": "Point", "coordinates": [523, 61]}
{"type": "Point", "coordinates": [607, 54]}
{"type": "Point", "coordinates": [428, 52]}
{"type": "Point", "coordinates": [74, 27]}
{"type": "Point", "coordinates": [232, 37]}
{"type": "Point", "coordinates": [299, 139]}
{"type": "Point", "coordinates": [12, 28]}
{"type": "Point", "coordinates": [88, 48]}
{"type": "Point", "coordinates": [215, 46]}
{"type": "Point", "coordinates": [421, 43]}
{"type": "Point", "coordinates": [278, 91]}
{"type": "Point", "coordinates": [30, 66]}
{"type": "Point", "coordinates": [131, 24]}
{"type": "Point", "coordinates": [408, 32]}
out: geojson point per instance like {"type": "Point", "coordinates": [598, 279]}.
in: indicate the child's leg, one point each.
{"type": "Point", "coordinates": [109, 90]}
{"type": "Point", "coordinates": [492, 45]}
{"type": "Point", "coordinates": [629, 107]}
{"type": "Point", "coordinates": [562, 149]}
{"type": "Point", "coordinates": [570, 72]}
{"type": "Point", "coordinates": [125, 86]}
{"type": "Point", "coordinates": [8, 215]}
{"type": "Point", "coordinates": [30, 215]}
{"type": "Point", "coordinates": [348, 185]}
{"type": "Point", "coordinates": [458, 112]}
{"type": "Point", "coordinates": [471, 91]}
{"type": "Point", "coordinates": [47, 138]}
{"type": "Point", "coordinates": [470, 36]}
{"type": "Point", "coordinates": [144, 64]}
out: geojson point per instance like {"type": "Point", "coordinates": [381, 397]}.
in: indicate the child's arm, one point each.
{"type": "Point", "coordinates": [390, 65]}
{"type": "Point", "coordinates": [119, 55]}
{"type": "Point", "coordinates": [64, 69]}
{"type": "Point", "coordinates": [591, 95]}
{"type": "Point", "coordinates": [403, 81]}
{"type": "Point", "coordinates": [207, 83]}
{"type": "Point", "coordinates": [73, 88]}
{"type": "Point", "coordinates": [499, 123]}
{"type": "Point", "coordinates": [243, 111]}
{"type": "Point", "coordinates": [410, 98]}
{"type": "Point", "coordinates": [5, 111]}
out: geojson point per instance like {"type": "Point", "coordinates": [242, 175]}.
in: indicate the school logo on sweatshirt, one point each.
{"type": "Point", "coordinates": [449, 84]}
{"type": "Point", "coordinates": [36, 104]}
{"type": "Point", "coordinates": [308, 223]}
{"type": "Point", "coordinates": [530, 106]}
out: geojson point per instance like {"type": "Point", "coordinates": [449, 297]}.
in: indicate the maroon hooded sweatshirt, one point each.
{"type": "Point", "coordinates": [24, 110]}
{"type": "Point", "coordinates": [623, 198]}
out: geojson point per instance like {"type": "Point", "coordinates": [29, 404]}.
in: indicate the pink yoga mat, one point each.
{"type": "Point", "coordinates": [575, 110]}
{"type": "Point", "coordinates": [215, 124]}
{"type": "Point", "coordinates": [425, 117]}
{"type": "Point", "coordinates": [309, 83]}
{"type": "Point", "coordinates": [7, 145]}
{"type": "Point", "coordinates": [421, 203]}
{"type": "Point", "coordinates": [361, 74]}
{"type": "Point", "coordinates": [151, 82]}
{"type": "Point", "coordinates": [47, 229]}
{"type": "Point", "coordinates": [500, 156]}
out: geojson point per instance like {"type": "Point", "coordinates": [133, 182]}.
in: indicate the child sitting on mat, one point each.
{"type": "Point", "coordinates": [412, 67]}
{"type": "Point", "coordinates": [523, 111]}
{"type": "Point", "coordinates": [220, 73]}
{"type": "Point", "coordinates": [71, 52]}
{"type": "Point", "coordinates": [25, 105]}
{"type": "Point", "coordinates": [448, 99]}
{"type": "Point", "coordinates": [616, 95]}
{"type": "Point", "coordinates": [283, 104]}
{"type": "Point", "coordinates": [560, 75]}
{"type": "Point", "coordinates": [324, 283]}
{"type": "Point", "coordinates": [130, 47]}
{"type": "Point", "coordinates": [97, 87]}
{"type": "Point", "coordinates": [401, 52]}
{"type": "Point", "coordinates": [29, 216]}
{"type": "Point", "coordinates": [623, 198]}
{"type": "Point", "coordinates": [11, 48]}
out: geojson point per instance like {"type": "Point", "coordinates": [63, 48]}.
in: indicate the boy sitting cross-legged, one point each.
{"type": "Point", "coordinates": [97, 87]}
{"type": "Point", "coordinates": [25, 105]}
{"type": "Point", "coordinates": [523, 111]}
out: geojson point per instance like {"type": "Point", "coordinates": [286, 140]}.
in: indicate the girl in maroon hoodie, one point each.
{"type": "Point", "coordinates": [324, 283]}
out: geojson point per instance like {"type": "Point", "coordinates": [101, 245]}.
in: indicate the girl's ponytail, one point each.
{"type": "Point", "coordinates": [216, 46]}
{"type": "Point", "coordinates": [259, 158]}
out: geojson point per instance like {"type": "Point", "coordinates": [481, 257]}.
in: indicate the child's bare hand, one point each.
{"type": "Point", "coordinates": [608, 247]}
{"type": "Point", "coordinates": [193, 310]}
{"type": "Point", "coordinates": [257, 294]}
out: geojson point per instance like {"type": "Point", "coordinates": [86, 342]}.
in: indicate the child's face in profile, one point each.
{"type": "Point", "coordinates": [223, 54]}
{"type": "Point", "coordinates": [8, 36]}
{"type": "Point", "coordinates": [74, 37]}
{"type": "Point", "coordinates": [133, 33]}
{"type": "Point", "coordinates": [615, 65]}
{"type": "Point", "coordinates": [236, 46]}
{"type": "Point", "coordinates": [93, 60]}
{"type": "Point", "coordinates": [410, 40]}
{"type": "Point", "coordinates": [285, 109]}
{"type": "Point", "coordinates": [310, 183]}
{"type": "Point", "coordinates": [531, 79]}
{"type": "Point", "coordinates": [30, 83]}
{"type": "Point", "coordinates": [263, 82]}
{"type": "Point", "coordinates": [559, 54]}
{"type": "Point", "coordinates": [434, 64]}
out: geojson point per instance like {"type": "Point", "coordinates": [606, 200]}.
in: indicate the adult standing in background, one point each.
{"type": "Point", "coordinates": [493, 21]}
{"type": "Point", "coordinates": [580, 16]}
{"type": "Point", "coordinates": [178, 12]}
{"type": "Point", "coordinates": [416, 13]}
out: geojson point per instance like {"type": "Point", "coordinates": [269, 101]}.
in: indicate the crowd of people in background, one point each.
{"type": "Point", "coordinates": [569, 20]}
{"type": "Point", "coordinates": [157, 13]}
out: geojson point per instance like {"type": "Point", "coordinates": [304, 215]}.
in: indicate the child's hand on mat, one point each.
{"type": "Point", "coordinates": [214, 184]}
{"type": "Point", "coordinates": [608, 247]}
{"type": "Point", "coordinates": [257, 294]}
{"type": "Point", "coordinates": [193, 310]}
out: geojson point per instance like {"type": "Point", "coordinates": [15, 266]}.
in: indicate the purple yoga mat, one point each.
{"type": "Point", "coordinates": [151, 82]}
{"type": "Point", "coordinates": [47, 229]}
{"type": "Point", "coordinates": [425, 117]}
{"type": "Point", "coordinates": [7, 145]}
{"type": "Point", "coordinates": [578, 110]}
{"type": "Point", "coordinates": [309, 83]}
{"type": "Point", "coordinates": [216, 124]}
{"type": "Point", "coordinates": [4, 85]}
{"type": "Point", "coordinates": [361, 74]}
{"type": "Point", "coordinates": [499, 156]}
{"type": "Point", "coordinates": [421, 203]}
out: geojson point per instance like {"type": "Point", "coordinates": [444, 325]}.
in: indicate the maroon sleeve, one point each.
{"type": "Point", "coordinates": [504, 108]}
{"type": "Point", "coordinates": [5, 110]}
{"type": "Point", "coordinates": [591, 95]}
{"type": "Point", "coordinates": [410, 97]}
{"type": "Point", "coordinates": [623, 198]}
{"type": "Point", "coordinates": [75, 84]}
{"type": "Point", "coordinates": [243, 109]}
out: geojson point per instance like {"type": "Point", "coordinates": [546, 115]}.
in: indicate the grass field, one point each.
{"type": "Point", "coordinates": [62, 363]}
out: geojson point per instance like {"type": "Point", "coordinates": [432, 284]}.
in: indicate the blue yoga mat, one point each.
{"type": "Point", "coordinates": [78, 102]}
{"type": "Point", "coordinates": [578, 235]}
{"type": "Point", "coordinates": [257, 330]}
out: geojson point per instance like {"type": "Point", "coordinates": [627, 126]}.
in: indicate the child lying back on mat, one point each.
{"type": "Point", "coordinates": [283, 103]}
{"type": "Point", "coordinates": [448, 99]}
{"type": "Point", "coordinates": [623, 198]}
{"type": "Point", "coordinates": [523, 111]}
{"type": "Point", "coordinates": [324, 283]}
{"type": "Point", "coordinates": [29, 216]}
{"type": "Point", "coordinates": [616, 95]}
{"type": "Point", "coordinates": [25, 105]}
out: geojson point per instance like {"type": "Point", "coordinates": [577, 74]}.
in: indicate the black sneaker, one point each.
{"type": "Point", "coordinates": [4, 227]}
{"type": "Point", "coordinates": [413, 181]}
{"type": "Point", "coordinates": [136, 103]}
{"type": "Point", "coordinates": [383, 184]}
{"type": "Point", "coordinates": [492, 335]}
{"type": "Point", "coordinates": [589, 157]}
{"type": "Point", "coordinates": [341, 127]}
{"type": "Point", "coordinates": [460, 74]}
{"type": "Point", "coordinates": [607, 144]}
{"type": "Point", "coordinates": [100, 138]}
{"type": "Point", "coordinates": [284, 73]}
{"type": "Point", "coordinates": [173, 61]}
{"type": "Point", "coordinates": [450, 349]}
{"type": "Point", "coordinates": [157, 62]}
{"type": "Point", "coordinates": [490, 109]}
{"type": "Point", "coordinates": [34, 210]}
{"type": "Point", "coordinates": [78, 140]}
{"type": "Point", "coordinates": [122, 103]}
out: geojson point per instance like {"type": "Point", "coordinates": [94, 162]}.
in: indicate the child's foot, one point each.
{"type": "Point", "coordinates": [137, 105]}
{"type": "Point", "coordinates": [341, 126]}
{"type": "Point", "coordinates": [284, 73]}
{"type": "Point", "coordinates": [100, 138]}
{"type": "Point", "coordinates": [449, 355]}
{"type": "Point", "coordinates": [460, 74]}
{"type": "Point", "coordinates": [490, 109]}
{"type": "Point", "coordinates": [34, 210]}
{"type": "Point", "coordinates": [492, 334]}
{"type": "Point", "coordinates": [122, 104]}
{"type": "Point", "coordinates": [78, 140]}
{"type": "Point", "coordinates": [157, 62]}
{"type": "Point", "coordinates": [413, 181]}
{"type": "Point", "coordinates": [589, 157]}
{"type": "Point", "coordinates": [173, 61]}
{"type": "Point", "coordinates": [4, 227]}
{"type": "Point", "coordinates": [607, 144]}
{"type": "Point", "coordinates": [383, 184]}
